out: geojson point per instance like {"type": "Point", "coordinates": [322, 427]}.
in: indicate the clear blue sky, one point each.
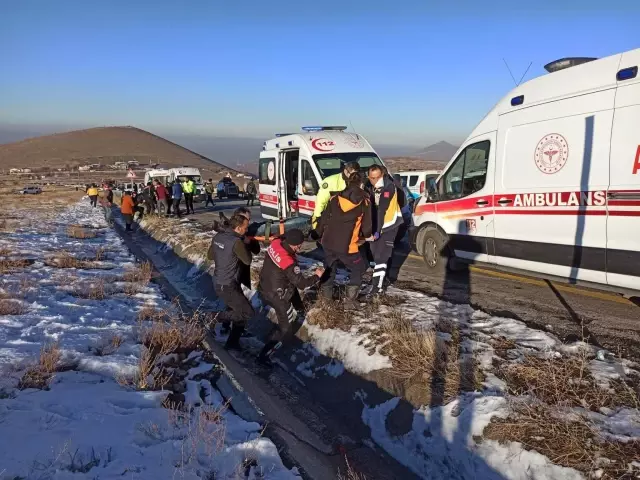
{"type": "Point", "coordinates": [402, 71]}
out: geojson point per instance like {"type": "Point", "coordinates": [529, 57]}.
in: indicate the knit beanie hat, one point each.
{"type": "Point", "coordinates": [294, 237]}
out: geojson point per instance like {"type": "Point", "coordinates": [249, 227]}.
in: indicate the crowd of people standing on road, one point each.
{"type": "Point", "coordinates": [357, 221]}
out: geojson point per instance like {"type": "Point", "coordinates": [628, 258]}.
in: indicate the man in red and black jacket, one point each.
{"type": "Point", "coordinates": [343, 227]}
{"type": "Point", "coordinates": [280, 280]}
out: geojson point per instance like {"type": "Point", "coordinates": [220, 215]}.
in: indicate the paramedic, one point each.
{"type": "Point", "coordinates": [228, 250]}
{"type": "Point", "coordinates": [332, 185]}
{"type": "Point", "coordinates": [387, 218]}
{"type": "Point", "coordinates": [280, 280]}
{"type": "Point", "coordinates": [344, 224]}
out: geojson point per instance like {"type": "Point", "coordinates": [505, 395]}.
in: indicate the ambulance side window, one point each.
{"type": "Point", "coordinates": [467, 174]}
{"type": "Point", "coordinates": [308, 179]}
{"type": "Point", "coordinates": [413, 180]}
{"type": "Point", "coordinates": [267, 167]}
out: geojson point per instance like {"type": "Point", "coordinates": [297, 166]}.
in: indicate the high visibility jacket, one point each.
{"type": "Point", "coordinates": [331, 186]}
{"type": "Point", "coordinates": [386, 208]}
{"type": "Point", "coordinates": [92, 191]}
{"type": "Point", "coordinates": [188, 186]}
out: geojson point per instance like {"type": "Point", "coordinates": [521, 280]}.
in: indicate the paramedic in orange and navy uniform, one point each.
{"type": "Point", "coordinates": [387, 218]}
{"type": "Point", "coordinates": [343, 226]}
{"type": "Point", "coordinates": [280, 280]}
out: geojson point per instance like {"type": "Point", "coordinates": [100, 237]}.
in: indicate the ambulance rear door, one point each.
{"type": "Point", "coordinates": [623, 226]}
{"type": "Point", "coordinates": [308, 185]}
{"type": "Point", "coordinates": [268, 188]}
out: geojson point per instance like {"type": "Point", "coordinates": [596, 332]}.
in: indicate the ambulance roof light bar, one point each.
{"type": "Point", "coordinates": [563, 63]}
{"type": "Point", "coordinates": [324, 129]}
{"type": "Point", "coordinates": [278, 135]}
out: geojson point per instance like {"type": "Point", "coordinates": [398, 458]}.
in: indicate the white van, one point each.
{"type": "Point", "coordinates": [417, 181]}
{"type": "Point", "coordinates": [161, 174]}
{"type": "Point", "coordinates": [549, 181]}
{"type": "Point", "coordinates": [182, 173]}
{"type": "Point", "coordinates": [293, 165]}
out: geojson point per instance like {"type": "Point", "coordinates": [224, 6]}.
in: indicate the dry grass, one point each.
{"type": "Point", "coordinates": [566, 382]}
{"type": "Point", "coordinates": [350, 473]}
{"type": "Point", "coordinates": [94, 291]}
{"type": "Point", "coordinates": [100, 254]}
{"type": "Point", "coordinates": [131, 289]}
{"type": "Point", "coordinates": [428, 368]}
{"type": "Point", "coordinates": [108, 345]}
{"type": "Point", "coordinates": [5, 251]}
{"type": "Point", "coordinates": [40, 374]}
{"type": "Point", "coordinates": [12, 307]}
{"type": "Point", "coordinates": [567, 439]}
{"type": "Point", "coordinates": [330, 314]}
{"type": "Point", "coordinates": [8, 265]}
{"type": "Point", "coordinates": [142, 273]}
{"type": "Point", "coordinates": [77, 231]}
{"type": "Point", "coordinates": [174, 335]}
{"type": "Point", "coordinates": [149, 312]}
{"type": "Point", "coordinates": [166, 335]}
{"type": "Point", "coordinates": [64, 259]}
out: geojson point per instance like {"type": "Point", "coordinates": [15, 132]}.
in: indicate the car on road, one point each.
{"type": "Point", "coordinates": [417, 181]}
{"type": "Point", "coordinates": [31, 190]}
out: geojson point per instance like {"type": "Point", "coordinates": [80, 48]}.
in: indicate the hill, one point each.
{"type": "Point", "coordinates": [104, 145]}
{"type": "Point", "coordinates": [441, 151]}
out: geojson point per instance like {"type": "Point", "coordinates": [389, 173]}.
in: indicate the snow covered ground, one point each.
{"type": "Point", "coordinates": [85, 424]}
{"type": "Point", "coordinates": [446, 439]}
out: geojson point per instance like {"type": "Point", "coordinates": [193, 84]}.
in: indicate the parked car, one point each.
{"type": "Point", "coordinates": [31, 190]}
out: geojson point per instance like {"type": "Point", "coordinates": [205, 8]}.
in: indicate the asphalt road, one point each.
{"type": "Point", "coordinates": [571, 312]}
{"type": "Point", "coordinates": [207, 215]}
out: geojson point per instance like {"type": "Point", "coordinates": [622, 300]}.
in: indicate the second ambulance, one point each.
{"type": "Point", "coordinates": [549, 181]}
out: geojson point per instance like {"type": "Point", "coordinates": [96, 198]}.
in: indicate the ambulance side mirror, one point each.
{"type": "Point", "coordinates": [310, 187]}
{"type": "Point", "coordinates": [432, 189]}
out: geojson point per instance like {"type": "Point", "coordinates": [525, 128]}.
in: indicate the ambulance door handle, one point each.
{"type": "Point", "coordinates": [504, 201]}
{"type": "Point", "coordinates": [482, 203]}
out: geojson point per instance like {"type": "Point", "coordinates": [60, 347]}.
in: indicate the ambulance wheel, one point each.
{"type": "Point", "coordinates": [435, 251]}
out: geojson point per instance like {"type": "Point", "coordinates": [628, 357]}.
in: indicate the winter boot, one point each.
{"type": "Point", "coordinates": [350, 299]}
{"type": "Point", "coordinates": [233, 342]}
{"type": "Point", "coordinates": [269, 348]}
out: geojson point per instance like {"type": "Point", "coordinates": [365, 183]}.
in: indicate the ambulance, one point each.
{"type": "Point", "coordinates": [548, 182]}
{"type": "Point", "coordinates": [292, 167]}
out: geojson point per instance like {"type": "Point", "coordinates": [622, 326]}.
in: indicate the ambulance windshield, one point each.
{"type": "Point", "coordinates": [332, 163]}
{"type": "Point", "coordinates": [196, 178]}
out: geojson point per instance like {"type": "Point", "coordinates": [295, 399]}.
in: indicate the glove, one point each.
{"type": "Point", "coordinates": [376, 236]}
{"type": "Point", "coordinates": [314, 235]}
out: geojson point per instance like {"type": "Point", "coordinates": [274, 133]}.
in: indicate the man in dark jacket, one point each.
{"type": "Point", "coordinates": [176, 196]}
{"type": "Point", "coordinates": [253, 248]}
{"type": "Point", "coordinates": [228, 251]}
{"type": "Point", "coordinates": [387, 218]}
{"type": "Point", "coordinates": [251, 192]}
{"type": "Point", "coordinates": [209, 189]}
{"type": "Point", "coordinates": [343, 226]}
{"type": "Point", "coordinates": [280, 280]}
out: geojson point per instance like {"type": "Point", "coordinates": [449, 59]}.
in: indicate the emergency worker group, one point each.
{"type": "Point", "coordinates": [357, 220]}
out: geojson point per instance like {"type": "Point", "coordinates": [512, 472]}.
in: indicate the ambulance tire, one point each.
{"type": "Point", "coordinates": [435, 251]}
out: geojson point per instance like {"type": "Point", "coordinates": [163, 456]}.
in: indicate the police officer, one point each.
{"type": "Point", "coordinates": [228, 250]}
{"type": "Point", "coordinates": [387, 218]}
{"type": "Point", "coordinates": [188, 187]}
{"type": "Point", "coordinates": [280, 280]}
{"type": "Point", "coordinates": [345, 221]}
{"type": "Point", "coordinates": [332, 185]}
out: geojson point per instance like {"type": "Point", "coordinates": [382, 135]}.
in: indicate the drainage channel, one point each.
{"type": "Point", "coordinates": [313, 422]}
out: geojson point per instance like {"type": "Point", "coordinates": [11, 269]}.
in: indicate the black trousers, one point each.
{"type": "Point", "coordinates": [209, 201]}
{"type": "Point", "coordinates": [94, 200]}
{"type": "Point", "coordinates": [382, 250]}
{"type": "Point", "coordinates": [287, 312]}
{"type": "Point", "coordinates": [188, 200]}
{"type": "Point", "coordinates": [250, 199]}
{"type": "Point", "coordinates": [128, 220]}
{"type": "Point", "coordinates": [354, 262]}
{"type": "Point", "coordinates": [239, 310]}
{"type": "Point", "coordinates": [176, 206]}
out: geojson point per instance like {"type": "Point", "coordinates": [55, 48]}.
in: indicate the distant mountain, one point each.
{"type": "Point", "coordinates": [441, 151]}
{"type": "Point", "coordinates": [104, 145]}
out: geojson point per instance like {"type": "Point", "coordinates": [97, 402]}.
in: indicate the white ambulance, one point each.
{"type": "Point", "coordinates": [293, 165]}
{"type": "Point", "coordinates": [549, 181]}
